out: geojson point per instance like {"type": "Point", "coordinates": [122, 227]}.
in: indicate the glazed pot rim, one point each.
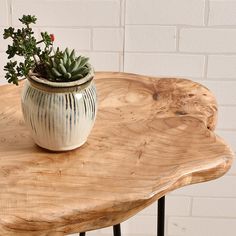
{"type": "Point", "coordinates": [40, 80]}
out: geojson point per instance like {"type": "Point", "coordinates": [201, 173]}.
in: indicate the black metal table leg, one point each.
{"type": "Point", "coordinates": [161, 217]}
{"type": "Point", "coordinates": [116, 230]}
{"type": "Point", "coordinates": [82, 234]}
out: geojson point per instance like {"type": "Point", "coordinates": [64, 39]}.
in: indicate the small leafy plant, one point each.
{"type": "Point", "coordinates": [40, 56]}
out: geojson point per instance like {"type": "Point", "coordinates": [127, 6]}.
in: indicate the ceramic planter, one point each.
{"type": "Point", "coordinates": [60, 116]}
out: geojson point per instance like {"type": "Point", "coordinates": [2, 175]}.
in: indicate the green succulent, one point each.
{"type": "Point", "coordinates": [65, 66]}
{"type": "Point", "coordinates": [39, 56]}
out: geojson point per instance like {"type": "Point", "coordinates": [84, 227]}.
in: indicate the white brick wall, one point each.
{"type": "Point", "coordinates": [150, 38]}
{"type": "Point", "coordinates": [108, 39]}
{"type": "Point", "coordinates": [4, 13]}
{"type": "Point", "coordinates": [225, 118]}
{"type": "Point", "coordinates": [65, 37]}
{"type": "Point", "coordinates": [200, 226]}
{"type": "Point", "coordinates": [207, 40]}
{"type": "Point", "coordinates": [3, 43]}
{"type": "Point", "coordinates": [165, 64]}
{"type": "Point", "coordinates": [3, 61]}
{"type": "Point", "coordinates": [71, 13]}
{"type": "Point", "coordinates": [207, 207]}
{"type": "Point", "coordinates": [221, 66]}
{"type": "Point", "coordinates": [229, 135]}
{"type": "Point", "coordinates": [186, 12]}
{"type": "Point", "coordinates": [223, 187]}
{"type": "Point", "coordinates": [222, 12]}
{"type": "Point", "coordinates": [184, 38]}
{"type": "Point", "coordinates": [105, 61]}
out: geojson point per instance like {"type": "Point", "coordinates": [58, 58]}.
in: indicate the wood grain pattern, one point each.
{"type": "Point", "coordinates": [151, 137]}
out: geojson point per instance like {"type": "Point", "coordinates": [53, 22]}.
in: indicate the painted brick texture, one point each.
{"type": "Point", "coordinates": [185, 38]}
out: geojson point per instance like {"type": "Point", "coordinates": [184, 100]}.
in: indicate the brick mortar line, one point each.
{"type": "Point", "coordinates": [177, 38]}
{"type": "Point", "coordinates": [124, 35]}
{"type": "Point", "coordinates": [205, 67]}
{"type": "Point", "coordinates": [206, 217]}
{"type": "Point", "coordinates": [122, 12]}
{"type": "Point", "coordinates": [227, 105]}
{"type": "Point", "coordinates": [218, 130]}
{"type": "Point", "coordinates": [158, 53]}
{"type": "Point", "coordinates": [211, 79]}
{"type": "Point", "coordinates": [194, 216]}
{"type": "Point", "coordinates": [122, 26]}
{"type": "Point", "coordinates": [75, 27]}
{"type": "Point", "coordinates": [121, 59]}
{"type": "Point", "coordinates": [91, 39]}
{"type": "Point", "coordinates": [222, 27]}
{"type": "Point", "coordinates": [207, 196]}
{"type": "Point", "coordinates": [231, 175]}
{"type": "Point", "coordinates": [185, 53]}
{"type": "Point", "coordinates": [184, 26]}
{"type": "Point", "coordinates": [191, 207]}
{"type": "Point", "coordinates": [98, 51]}
{"type": "Point", "coordinates": [9, 6]}
{"type": "Point", "coordinates": [207, 12]}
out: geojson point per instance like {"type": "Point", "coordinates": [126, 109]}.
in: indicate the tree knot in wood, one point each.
{"type": "Point", "coordinates": [181, 113]}
{"type": "Point", "coordinates": [155, 96]}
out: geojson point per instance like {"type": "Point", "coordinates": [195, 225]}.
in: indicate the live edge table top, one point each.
{"type": "Point", "coordinates": [151, 136]}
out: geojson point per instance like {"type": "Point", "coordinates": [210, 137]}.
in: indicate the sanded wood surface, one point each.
{"type": "Point", "coordinates": [151, 136]}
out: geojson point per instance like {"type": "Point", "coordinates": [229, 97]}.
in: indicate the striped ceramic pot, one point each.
{"type": "Point", "coordinates": [60, 116]}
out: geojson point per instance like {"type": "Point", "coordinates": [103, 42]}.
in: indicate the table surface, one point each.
{"type": "Point", "coordinates": [151, 136]}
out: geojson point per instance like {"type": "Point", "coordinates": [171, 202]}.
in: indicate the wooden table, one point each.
{"type": "Point", "coordinates": [151, 136]}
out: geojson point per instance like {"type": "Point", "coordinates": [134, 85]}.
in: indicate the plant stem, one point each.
{"type": "Point", "coordinates": [40, 41]}
{"type": "Point", "coordinates": [35, 59]}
